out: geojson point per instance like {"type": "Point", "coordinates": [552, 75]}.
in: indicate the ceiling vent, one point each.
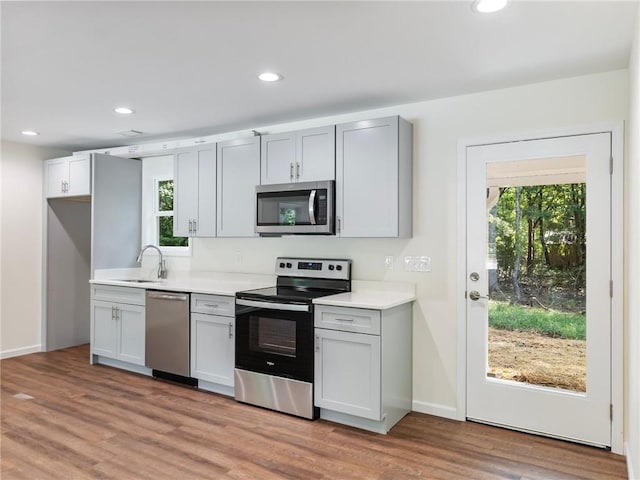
{"type": "Point", "coordinates": [130, 133]}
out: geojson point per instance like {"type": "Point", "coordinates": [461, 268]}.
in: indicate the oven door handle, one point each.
{"type": "Point", "coordinates": [312, 207]}
{"type": "Point", "coordinates": [291, 307]}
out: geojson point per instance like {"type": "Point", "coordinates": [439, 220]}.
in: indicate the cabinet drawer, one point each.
{"type": "Point", "coordinates": [213, 304]}
{"type": "Point", "coordinates": [348, 319]}
{"type": "Point", "coordinates": [110, 293]}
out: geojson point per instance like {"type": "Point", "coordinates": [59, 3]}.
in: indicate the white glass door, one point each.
{"type": "Point", "coordinates": [538, 286]}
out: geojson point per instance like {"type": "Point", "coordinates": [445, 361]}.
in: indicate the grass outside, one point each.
{"type": "Point", "coordinates": [504, 316]}
{"type": "Point", "coordinates": [537, 346]}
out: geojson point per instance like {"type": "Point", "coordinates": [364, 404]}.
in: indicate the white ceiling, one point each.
{"type": "Point", "coordinates": [189, 68]}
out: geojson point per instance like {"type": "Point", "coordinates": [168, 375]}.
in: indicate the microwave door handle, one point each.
{"type": "Point", "coordinates": [312, 209]}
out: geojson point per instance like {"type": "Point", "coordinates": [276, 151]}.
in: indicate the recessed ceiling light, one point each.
{"type": "Point", "coordinates": [489, 6]}
{"type": "Point", "coordinates": [29, 133]}
{"type": "Point", "coordinates": [123, 110]}
{"type": "Point", "coordinates": [270, 77]}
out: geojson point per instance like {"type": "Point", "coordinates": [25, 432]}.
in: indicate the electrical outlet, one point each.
{"type": "Point", "coordinates": [417, 264]}
{"type": "Point", "coordinates": [388, 262]}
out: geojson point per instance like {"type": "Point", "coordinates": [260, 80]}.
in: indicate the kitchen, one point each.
{"type": "Point", "coordinates": [438, 124]}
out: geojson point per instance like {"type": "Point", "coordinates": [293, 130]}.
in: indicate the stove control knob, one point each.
{"type": "Point", "coordinates": [338, 267]}
{"type": "Point", "coordinates": [281, 264]}
{"type": "Point", "coordinates": [289, 265]}
{"type": "Point", "coordinates": [331, 267]}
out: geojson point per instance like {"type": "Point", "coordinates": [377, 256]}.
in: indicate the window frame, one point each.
{"type": "Point", "coordinates": [157, 213]}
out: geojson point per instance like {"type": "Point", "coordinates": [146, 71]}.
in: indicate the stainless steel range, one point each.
{"type": "Point", "coordinates": [274, 334]}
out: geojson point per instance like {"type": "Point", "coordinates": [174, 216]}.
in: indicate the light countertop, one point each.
{"type": "Point", "coordinates": [213, 283]}
{"type": "Point", "coordinates": [372, 295]}
{"type": "Point", "coordinates": [374, 300]}
{"type": "Point", "coordinates": [364, 294]}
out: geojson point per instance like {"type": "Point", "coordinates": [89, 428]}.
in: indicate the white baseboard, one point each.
{"type": "Point", "coordinates": [435, 409]}
{"type": "Point", "coordinates": [631, 470]}
{"type": "Point", "coordinates": [16, 352]}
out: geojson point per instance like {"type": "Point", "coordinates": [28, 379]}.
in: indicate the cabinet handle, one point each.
{"type": "Point", "coordinates": [317, 343]}
{"type": "Point", "coordinates": [195, 226]}
{"type": "Point", "coordinates": [297, 170]}
{"type": "Point", "coordinates": [344, 319]}
{"type": "Point", "coordinates": [66, 187]}
{"type": "Point", "coordinates": [291, 171]}
{"type": "Point", "coordinates": [113, 313]}
{"type": "Point", "coordinates": [117, 313]}
{"type": "Point", "coordinates": [211, 305]}
{"type": "Point", "coordinates": [190, 226]}
{"type": "Point", "coordinates": [230, 330]}
{"type": "Point", "coordinates": [339, 224]}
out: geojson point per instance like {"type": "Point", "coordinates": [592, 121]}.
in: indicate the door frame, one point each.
{"type": "Point", "coordinates": [616, 128]}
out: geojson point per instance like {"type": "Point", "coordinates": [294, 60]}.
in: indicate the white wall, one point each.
{"type": "Point", "coordinates": [21, 247]}
{"type": "Point", "coordinates": [438, 125]}
{"type": "Point", "coordinates": [632, 265]}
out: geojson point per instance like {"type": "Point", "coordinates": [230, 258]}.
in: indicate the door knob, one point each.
{"type": "Point", "coordinates": [475, 295]}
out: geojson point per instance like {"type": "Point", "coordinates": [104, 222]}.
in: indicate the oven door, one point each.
{"type": "Point", "coordinates": [274, 341]}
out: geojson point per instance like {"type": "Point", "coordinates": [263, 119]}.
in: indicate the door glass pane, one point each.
{"type": "Point", "coordinates": [536, 266]}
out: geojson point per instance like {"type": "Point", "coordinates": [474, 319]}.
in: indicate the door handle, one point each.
{"type": "Point", "coordinates": [317, 343]}
{"type": "Point", "coordinates": [312, 203]}
{"type": "Point", "coordinates": [475, 295]}
{"type": "Point", "coordinates": [291, 171]}
{"type": "Point", "coordinates": [230, 330]}
{"type": "Point", "coordinates": [297, 170]}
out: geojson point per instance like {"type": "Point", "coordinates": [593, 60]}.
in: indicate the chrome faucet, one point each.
{"type": "Point", "coordinates": [162, 268]}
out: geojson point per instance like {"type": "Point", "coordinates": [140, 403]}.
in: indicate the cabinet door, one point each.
{"type": "Point", "coordinates": [79, 176]}
{"type": "Point", "coordinates": [206, 220]}
{"type": "Point", "coordinates": [347, 373]}
{"type": "Point", "coordinates": [104, 329]}
{"type": "Point", "coordinates": [316, 154]}
{"type": "Point", "coordinates": [238, 175]}
{"type": "Point", "coordinates": [131, 324]}
{"type": "Point", "coordinates": [212, 348]}
{"type": "Point", "coordinates": [367, 178]}
{"type": "Point", "coordinates": [57, 172]}
{"type": "Point", "coordinates": [185, 184]}
{"type": "Point", "coordinates": [277, 158]}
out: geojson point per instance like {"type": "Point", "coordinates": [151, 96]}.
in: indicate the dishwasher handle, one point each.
{"type": "Point", "coordinates": [182, 297]}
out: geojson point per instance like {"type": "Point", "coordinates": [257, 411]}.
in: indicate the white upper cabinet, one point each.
{"type": "Point", "coordinates": [277, 158]}
{"type": "Point", "coordinates": [68, 176]}
{"type": "Point", "coordinates": [374, 178]}
{"type": "Point", "coordinates": [238, 175]}
{"type": "Point", "coordinates": [300, 156]}
{"type": "Point", "coordinates": [195, 192]}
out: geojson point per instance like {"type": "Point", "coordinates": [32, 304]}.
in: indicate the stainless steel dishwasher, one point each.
{"type": "Point", "coordinates": [167, 335]}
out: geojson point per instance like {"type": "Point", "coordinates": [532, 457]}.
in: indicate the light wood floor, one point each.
{"type": "Point", "coordinates": [96, 422]}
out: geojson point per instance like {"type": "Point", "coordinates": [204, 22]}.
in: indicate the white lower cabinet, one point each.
{"type": "Point", "coordinates": [347, 369]}
{"type": "Point", "coordinates": [363, 379]}
{"type": "Point", "coordinates": [213, 342]}
{"type": "Point", "coordinates": [117, 328]}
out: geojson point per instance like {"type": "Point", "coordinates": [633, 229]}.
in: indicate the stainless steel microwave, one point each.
{"type": "Point", "coordinates": [296, 208]}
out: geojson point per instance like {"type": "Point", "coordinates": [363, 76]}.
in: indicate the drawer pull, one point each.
{"type": "Point", "coordinates": [211, 305]}
{"type": "Point", "coordinates": [345, 319]}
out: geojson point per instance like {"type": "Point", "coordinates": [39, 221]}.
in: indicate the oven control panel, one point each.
{"type": "Point", "coordinates": [314, 268]}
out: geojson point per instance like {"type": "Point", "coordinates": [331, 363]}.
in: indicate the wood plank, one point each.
{"type": "Point", "coordinates": [98, 422]}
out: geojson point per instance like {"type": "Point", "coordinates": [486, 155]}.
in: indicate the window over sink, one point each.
{"type": "Point", "coordinates": [157, 207]}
